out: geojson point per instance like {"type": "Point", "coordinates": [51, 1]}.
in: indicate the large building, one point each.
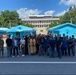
{"type": "Point", "coordinates": [40, 22]}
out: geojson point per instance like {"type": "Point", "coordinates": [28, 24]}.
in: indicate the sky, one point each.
{"type": "Point", "coordinates": [37, 7]}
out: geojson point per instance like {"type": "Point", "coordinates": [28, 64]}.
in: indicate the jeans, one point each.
{"type": "Point", "coordinates": [9, 51]}
{"type": "Point", "coordinates": [71, 50]}
{"type": "Point", "coordinates": [52, 52]}
{"type": "Point", "coordinates": [64, 50]}
{"type": "Point", "coordinates": [41, 50]}
{"type": "Point", "coordinates": [48, 52]}
{"type": "Point", "coordinates": [59, 52]}
{"type": "Point", "coordinates": [37, 48]}
{"type": "Point", "coordinates": [14, 51]}
{"type": "Point", "coordinates": [0, 53]}
{"type": "Point", "coordinates": [23, 49]}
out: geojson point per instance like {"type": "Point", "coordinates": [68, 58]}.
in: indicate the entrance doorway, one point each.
{"type": "Point", "coordinates": [17, 33]}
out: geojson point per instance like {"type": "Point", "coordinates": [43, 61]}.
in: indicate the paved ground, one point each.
{"type": "Point", "coordinates": [37, 65]}
{"type": "Point", "coordinates": [38, 58]}
{"type": "Point", "coordinates": [33, 69]}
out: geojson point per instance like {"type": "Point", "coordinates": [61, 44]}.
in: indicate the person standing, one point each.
{"type": "Point", "coordinates": [29, 46]}
{"type": "Point", "coordinates": [47, 43]}
{"type": "Point", "coordinates": [58, 46]}
{"type": "Point", "coordinates": [26, 45]}
{"type": "Point", "coordinates": [41, 45]}
{"type": "Point", "coordinates": [9, 46]}
{"type": "Point", "coordinates": [52, 45]}
{"type": "Point", "coordinates": [32, 45]}
{"type": "Point", "coordinates": [71, 45]}
{"type": "Point", "coordinates": [22, 42]}
{"type": "Point", "coordinates": [15, 45]}
{"type": "Point", "coordinates": [18, 38]}
{"type": "Point", "coordinates": [37, 44]}
{"type": "Point", "coordinates": [64, 46]}
{"type": "Point", "coordinates": [1, 47]}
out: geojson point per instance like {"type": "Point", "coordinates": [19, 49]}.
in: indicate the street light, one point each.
{"type": "Point", "coordinates": [10, 23]}
{"type": "Point", "coordinates": [70, 20]}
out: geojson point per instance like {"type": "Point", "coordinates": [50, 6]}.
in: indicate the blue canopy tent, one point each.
{"type": "Point", "coordinates": [21, 30]}
{"type": "Point", "coordinates": [3, 31]}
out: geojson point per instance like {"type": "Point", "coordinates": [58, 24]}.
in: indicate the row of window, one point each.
{"type": "Point", "coordinates": [40, 21]}
{"type": "Point", "coordinates": [41, 25]}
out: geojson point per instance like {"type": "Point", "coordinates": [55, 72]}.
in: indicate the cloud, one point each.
{"type": "Point", "coordinates": [68, 2]}
{"type": "Point", "coordinates": [61, 13]}
{"type": "Point", "coordinates": [24, 12]}
{"type": "Point", "coordinates": [51, 12]}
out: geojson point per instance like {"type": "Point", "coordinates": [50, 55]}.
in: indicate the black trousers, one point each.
{"type": "Point", "coordinates": [15, 50]}
{"type": "Point", "coordinates": [59, 51]}
{"type": "Point", "coordinates": [37, 48]}
{"type": "Point", "coordinates": [71, 51]}
{"type": "Point", "coordinates": [64, 51]}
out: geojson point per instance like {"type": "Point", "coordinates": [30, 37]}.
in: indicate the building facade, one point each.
{"type": "Point", "coordinates": [40, 22]}
{"type": "Point", "coordinates": [68, 29]}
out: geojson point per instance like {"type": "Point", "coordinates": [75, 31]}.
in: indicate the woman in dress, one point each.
{"type": "Point", "coordinates": [32, 43]}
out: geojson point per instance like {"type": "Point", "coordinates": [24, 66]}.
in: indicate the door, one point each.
{"type": "Point", "coordinates": [17, 33]}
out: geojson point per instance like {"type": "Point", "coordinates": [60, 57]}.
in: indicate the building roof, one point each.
{"type": "Point", "coordinates": [39, 16]}
{"type": "Point", "coordinates": [41, 19]}
{"type": "Point", "coordinates": [20, 28]}
{"type": "Point", "coordinates": [3, 29]}
{"type": "Point", "coordinates": [63, 25]}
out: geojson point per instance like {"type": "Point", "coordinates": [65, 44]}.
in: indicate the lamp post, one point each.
{"type": "Point", "coordinates": [70, 20]}
{"type": "Point", "coordinates": [10, 23]}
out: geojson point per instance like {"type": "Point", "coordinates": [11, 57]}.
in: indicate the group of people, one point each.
{"type": "Point", "coordinates": [52, 46]}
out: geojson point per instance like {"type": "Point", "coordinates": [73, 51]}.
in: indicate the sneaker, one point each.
{"type": "Point", "coordinates": [13, 56]}
{"type": "Point", "coordinates": [23, 55]}
{"type": "Point", "coordinates": [17, 55]}
{"type": "Point", "coordinates": [3, 57]}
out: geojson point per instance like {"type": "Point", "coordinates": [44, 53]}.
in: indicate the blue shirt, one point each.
{"type": "Point", "coordinates": [65, 43]}
{"type": "Point", "coordinates": [52, 43]}
{"type": "Point", "coordinates": [15, 42]}
{"type": "Point", "coordinates": [47, 42]}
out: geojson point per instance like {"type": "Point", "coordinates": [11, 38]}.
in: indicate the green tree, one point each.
{"type": "Point", "coordinates": [1, 21]}
{"type": "Point", "coordinates": [53, 24]}
{"type": "Point", "coordinates": [29, 25]}
{"type": "Point", "coordinates": [10, 19]}
{"type": "Point", "coordinates": [69, 16]}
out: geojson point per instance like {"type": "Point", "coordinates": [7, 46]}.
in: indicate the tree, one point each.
{"type": "Point", "coordinates": [53, 24]}
{"type": "Point", "coordinates": [1, 21]}
{"type": "Point", "coordinates": [9, 18]}
{"type": "Point", "coordinates": [29, 25]}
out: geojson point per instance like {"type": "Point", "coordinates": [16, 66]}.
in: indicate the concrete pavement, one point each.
{"type": "Point", "coordinates": [38, 69]}
{"type": "Point", "coordinates": [38, 58]}
{"type": "Point", "coordinates": [25, 68]}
